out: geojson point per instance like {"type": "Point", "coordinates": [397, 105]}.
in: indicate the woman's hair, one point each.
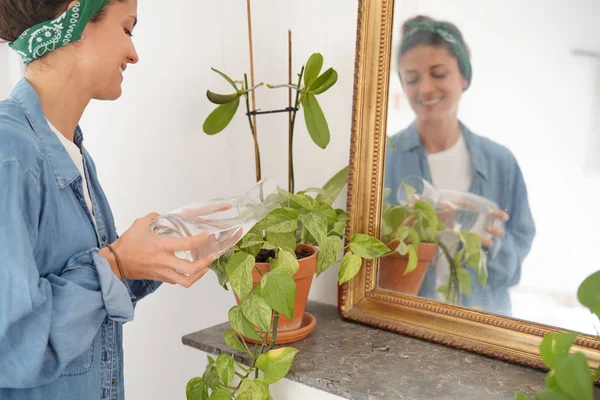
{"type": "Point", "coordinates": [413, 37]}
{"type": "Point", "coordinates": [18, 15]}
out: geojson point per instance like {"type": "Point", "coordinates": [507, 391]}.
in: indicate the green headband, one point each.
{"type": "Point", "coordinates": [439, 28]}
{"type": "Point", "coordinates": [50, 35]}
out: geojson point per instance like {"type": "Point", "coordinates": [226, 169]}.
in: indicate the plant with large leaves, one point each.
{"type": "Point", "coordinates": [300, 219]}
{"type": "Point", "coordinates": [405, 227]}
{"type": "Point", "coordinates": [569, 377]}
{"type": "Point", "coordinates": [311, 83]}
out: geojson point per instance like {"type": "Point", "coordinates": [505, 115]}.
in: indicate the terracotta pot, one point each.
{"type": "Point", "coordinates": [391, 270]}
{"type": "Point", "coordinates": [303, 278]}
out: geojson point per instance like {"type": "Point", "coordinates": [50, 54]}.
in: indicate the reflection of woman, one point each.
{"type": "Point", "coordinates": [435, 70]}
{"type": "Point", "coordinates": [67, 281]}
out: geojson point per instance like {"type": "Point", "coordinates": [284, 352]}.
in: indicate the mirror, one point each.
{"type": "Point", "coordinates": [482, 115]}
{"type": "Point", "coordinates": [494, 106]}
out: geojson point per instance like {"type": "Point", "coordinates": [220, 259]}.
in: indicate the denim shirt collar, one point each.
{"type": "Point", "coordinates": [411, 140]}
{"type": "Point", "coordinates": [63, 167]}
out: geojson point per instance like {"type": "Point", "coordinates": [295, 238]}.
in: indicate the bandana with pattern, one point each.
{"type": "Point", "coordinates": [439, 28]}
{"type": "Point", "coordinates": [50, 35]}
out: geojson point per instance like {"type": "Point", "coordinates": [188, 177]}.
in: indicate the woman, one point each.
{"type": "Point", "coordinates": [435, 70]}
{"type": "Point", "coordinates": [67, 281]}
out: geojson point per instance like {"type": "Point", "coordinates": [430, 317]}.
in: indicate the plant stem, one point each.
{"type": "Point", "coordinates": [255, 358]}
{"type": "Point", "coordinates": [453, 295]}
{"type": "Point", "coordinates": [291, 180]}
{"type": "Point", "coordinates": [274, 338]}
{"type": "Point", "coordinates": [245, 345]}
{"type": "Point", "coordinates": [251, 51]}
{"type": "Point", "coordinates": [285, 85]}
{"type": "Point", "coordinates": [253, 130]}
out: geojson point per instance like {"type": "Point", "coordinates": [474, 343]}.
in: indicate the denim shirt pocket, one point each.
{"type": "Point", "coordinates": [81, 364]}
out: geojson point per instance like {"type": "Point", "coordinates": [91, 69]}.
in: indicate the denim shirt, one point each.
{"type": "Point", "coordinates": [496, 176]}
{"type": "Point", "coordinates": [61, 308]}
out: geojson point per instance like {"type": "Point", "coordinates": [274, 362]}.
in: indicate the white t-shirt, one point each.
{"type": "Point", "coordinates": [77, 158]}
{"type": "Point", "coordinates": [450, 169]}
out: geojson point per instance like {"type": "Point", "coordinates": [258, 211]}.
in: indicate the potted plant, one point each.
{"type": "Point", "coordinates": [412, 233]}
{"type": "Point", "coordinates": [271, 268]}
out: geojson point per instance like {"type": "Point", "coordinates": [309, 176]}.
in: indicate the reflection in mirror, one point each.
{"type": "Point", "coordinates": [492, 170]}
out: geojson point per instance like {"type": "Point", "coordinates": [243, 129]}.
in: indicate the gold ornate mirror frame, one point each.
{"type": "Point", "coordinates": [360, 300]}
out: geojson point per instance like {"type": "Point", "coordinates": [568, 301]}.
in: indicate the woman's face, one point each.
{"type": "Point", "coordinates": [432, 82]}
{"type": "Point", "coordinates": [107, 48]}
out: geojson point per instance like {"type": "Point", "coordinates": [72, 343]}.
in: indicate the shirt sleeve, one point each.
{"type": "Point", "coordinates": [46, 322]}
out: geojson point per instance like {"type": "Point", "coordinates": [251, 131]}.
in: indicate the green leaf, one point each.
{"type": "Point", "coordinates": [286, 261]}
{"type": "Point", "coordinates": [211, 361]}
{"type": "Point", "coordinates": [323, 82]}
{"type": "Point", "coordinates": [302, 202]}
{"type": "Point", "coordinates": [393, 217]}
{"type": "Point", "coordinates": [285, 241]}
{"type": "Point", "coordinates": [445, 290]}
{"type": "Point", "coordinates": [239, 270]}
{"type": "Point", "coordinates": [391, 143]}
{"type": "Point", "coordinates": [339, 228]}
{"type": "Point", "coordinates": [253, 390]}
{"type": "Point", "coordinates": [328, 253]}
{"type": "Point", "coordinates": [428, 212]}
{"type": "Point", "coordinates": [556, 345]}
{"type": "Point", "coordinates": [232, 340]}
{"type": "Point", "coordinates": [472, 247]}
{"type": "Point", "coordinates": [226, 368]}
{"type": "Point", "coordinates": [402, 249]}
{"type": "Point", "coordinates": [329, 213]}
{"type": "Point", "coordinates": [367, 246]}
{"type": "Point", "coordinates": [349, 267]}
{"type": "Point", "coordinates": [280, 220]}
{"type": "Point", "coordinates": [482, 272]}
{"type": "Point", "coordinates": [219, 267]}
{"type": "Point", "coordinates": [217, 98]}
{"type": "Point", "coordinates": [276, 363]}
{"type": "Point", "coordinates": [409, 192]}
{"type": "Point", "coordinates": [413, 259]}
{"type": "Point", "coordinates": [251, 243]}
{"type": "Point", "coordinates": [279, 291]}
{"type": "Point", "coordinates": [220, 117]}
{"type": "Point", "coordinates": [228, 79]}
{"type": "Point", "coordinates": [210, 376]}
{"type": "Point", "coordinates": [240, 323]}
{"type": "Point", "coordinates": [551, 382]}
{"type": "Point", "coordinates": [464, 280]}
{"type": "Point", "coordinates": [196, 389]}
{"type": "Point", "coordinates": [220, 394]}
{"type": "Point", "coordinates": [316, 124]}
{"type": "Point", "coordinates": [316, 224]}
{"type": "Point", "coordinates": [589, 293]}
{"type": "Point", "coordinates": [334, 186]}
{"type": "Point", "coordinates": [256, 309]}
{"type": "Point", "coordinates": [313, 68]}
{"type": "Point", "coordinates": [574, 377]}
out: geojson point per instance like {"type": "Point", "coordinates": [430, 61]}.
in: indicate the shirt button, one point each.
{"type": "Point", "coordinates": [103, 238]}
{"type": "Point", "coordinates": [114, 382]}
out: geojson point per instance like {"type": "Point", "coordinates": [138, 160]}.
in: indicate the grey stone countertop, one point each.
{"type": "Point", "coordinates": [359, 362]}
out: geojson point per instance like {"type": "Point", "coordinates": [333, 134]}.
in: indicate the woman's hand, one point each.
{"type": "Point", "coordinates": [145, 255]}
{"type": "Point", "coordinates": [496, 232]}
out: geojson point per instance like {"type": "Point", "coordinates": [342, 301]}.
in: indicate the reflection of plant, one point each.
{"type": "Point", "coordinates": [299, 219]}
{"type": "Point", "coordinates": [404, 227]}
{"type": "Point", "coordinates": [569, 377]}
{"type": "Point", "coordinates": [315, 84]}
